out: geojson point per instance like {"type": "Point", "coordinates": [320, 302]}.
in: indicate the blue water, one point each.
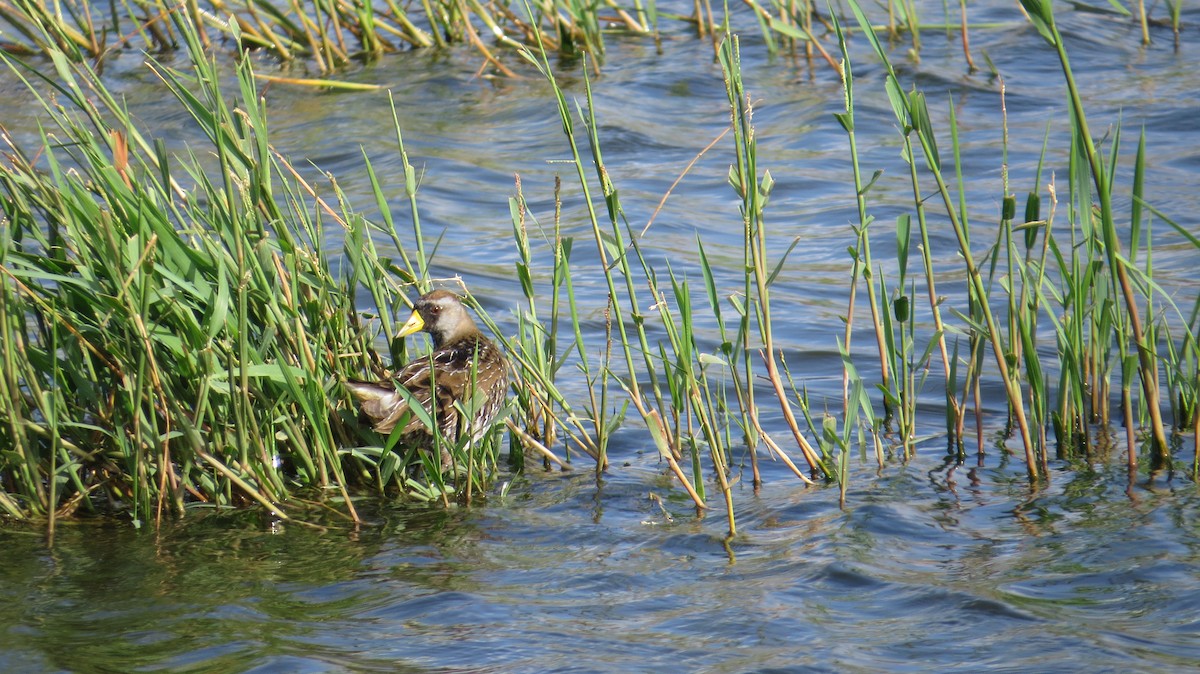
{"type": "Point", "coordinates": [929, 566]}
{"type": "Point", "coordinates": [923, 571]}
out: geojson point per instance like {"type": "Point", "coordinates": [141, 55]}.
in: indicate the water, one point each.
{"type": "Point", "coordinates": [930, 566]}
{"type": "Point", "coordinates": [924, 571]}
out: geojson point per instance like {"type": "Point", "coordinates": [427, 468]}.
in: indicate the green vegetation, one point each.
{"type": "Point", "coordinates": [173, 328]}
{"type": "Point", "coordinates": [175, 331]}
{"type": "Point", "coordinates": [329, 34]}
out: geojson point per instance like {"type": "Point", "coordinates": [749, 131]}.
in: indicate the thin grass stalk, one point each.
{"type": "Point", "coordinates": [956, 412]}
{"type": "Point", "coordinates": [1041, 13]}
{"type": "Point", "coordinates": [805, 12]}
{"type": "Point", "coordinates": [1143, 21]}
{"type": "Point", "coordinates": [535, 348]}
{"type": "Point", "coordinates": [408, 31]}
{"type": "Point", "coordinates": [152, 35]}
{"type": "Point", "coordinates": [596, 379]}
{"type": "Point", "coordinates": [687, 389]}
{"type": "Point", "coordinates": [600, 406]}
{"type": "Point", "coordinates": [1026, 295]}
{"type": "Point", "coordinates": [473, 38]}
{"type": "Point", "coordinates": [1195, 361]}
{"type": "Point", "coordinates": [561, 271]}
{"type": "Point", "coordinates": [913, 26]}
{"type": "Point", "coordinates": [1033, 278]}
{"type": "Point", "coordinates": [364, 13]}
{"type": "Point", "coordinates": [743, 394]}
{"type": "Point", "coordinates": [754, 193]}
{"type": "Point", "coordinates": [283, 36]}
{"type": "Point", "coordinates": [911, 114]}
{"type": "Point", "coordinates": [52, 409]}
{"type": "Point", "coordinates": [966, 40]}
{"type": "Point", "coordinates": [743, 305]}
{"type": "Point", "coordinates": [1009, 379]}
{"type": "Point", "coordinates": [631, 24]}
{"type": "Point", "coordinates": [863, 265]}
{"type": "Point", "coordinates": [1182, 362]}
{"type": "Point", "coordinates": [897, 353]}
{"type": "Point", "coordinates": [23, 475]}
{"type": "Point", "coordinates": [535, 344]}
{"type": "Point", "coordinates": [1071, 342]}
{"type": "Point", "coordinates": [1004, 244]}
{"type": "Point", "coordinates": [329, 34]}
{"type": "Point", "coordinates": [10, 401]}
{"type": "Point", "coordinates": [419, 271]}
{"type": "Point", "coordinates": [651, 416]}
{"type": "Point", "coordinates": [920, 124]}
{"type": "Point", "coordinates": [712, 28]}
{"type": "Point", "coordinates": [539, 380]}
{"type": "Point", "coordinates": [1175, 7]}
{"type": "Point", "coordinates": [683, 377]}
{"type": "Point", "coordinates": [621, 261]}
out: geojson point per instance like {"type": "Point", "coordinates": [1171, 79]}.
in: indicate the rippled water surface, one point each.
{"type": "Point", "coordinates": [929, 566]}
{"type": "Point", "coordinates": [926, 569]}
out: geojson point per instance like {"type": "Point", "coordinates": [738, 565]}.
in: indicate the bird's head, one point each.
{"type": "Point", "coordinates": [440, 313]}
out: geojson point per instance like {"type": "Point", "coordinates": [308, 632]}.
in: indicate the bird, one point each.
{"type": "Point", "coordinates": [463, 362]}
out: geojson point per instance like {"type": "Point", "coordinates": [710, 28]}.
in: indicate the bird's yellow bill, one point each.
{"type": "Point", "coordinates": [415, 324]}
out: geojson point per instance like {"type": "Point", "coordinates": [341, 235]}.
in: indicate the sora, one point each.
{"type": "Point", "coordinates": [461, 356]}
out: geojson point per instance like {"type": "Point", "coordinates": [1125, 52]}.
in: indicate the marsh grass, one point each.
{"type": "Point", "coordinates": [685, 401]}
{"type": "Point", "coordinates": [329, 35]}
{"type": "Point", "coordinates": [618, 249]}
{"type": "Point", "coordinates": [1035, 272]}
{"type": "Point", "coordinates": [175, 331]}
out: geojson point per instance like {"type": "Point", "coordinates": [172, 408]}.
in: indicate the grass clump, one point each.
{"type": "Point", "coordinates": [329, 35]}
{"type": "Point", "coordinates": [173, 329]}
{"type": "Point", "coordinates": [1077, 279]}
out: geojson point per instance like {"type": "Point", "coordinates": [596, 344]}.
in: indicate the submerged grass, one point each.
{"type": "Point", "coordinates": [327, 33]}
{"type": "Point", "coordinates": [330, 34]}
{"type": "Point", "coordinates": [175, 331]}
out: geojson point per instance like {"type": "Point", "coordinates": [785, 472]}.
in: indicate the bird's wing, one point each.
{"type": "Point", "coordinates": [385, 406]}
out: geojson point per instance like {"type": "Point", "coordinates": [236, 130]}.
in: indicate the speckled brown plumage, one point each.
{"type": "Point", "coordinates": [441, 378]}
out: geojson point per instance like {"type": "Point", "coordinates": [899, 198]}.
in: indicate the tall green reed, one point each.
{"type": "Point", "coordinates": [756, 310]}
{"type": "Point", "coordinates": [913, 118]}
{"type": "Point", "coordinates": [545, 411]}
{"type": "Point", "coordinates": [1042, 15]}
{"type": "Point", "coordinates": [1086, 280]}
{"type": "Point", "coordinates": [685, 398]}
{"type": "Point", "coordinates": [333, 34]}
{"type": "Point", "coordinates": [613, 253]}
{"type": "Point", "coordinates": [176, 328]}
